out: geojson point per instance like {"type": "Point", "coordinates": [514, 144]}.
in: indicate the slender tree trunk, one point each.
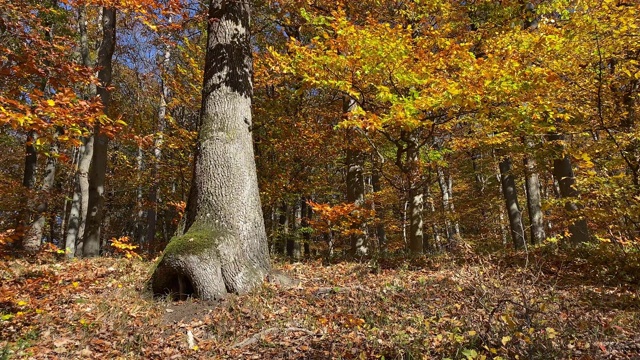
{"type": "Point", "coordinates": [294, 250]}
{"type": "Point", "coordinates": [224, 249]}
{"type": "Point", "coordinates": [33, 237]}
{"type": "Point", "coordinates": [355, 182]}
{"type": "Point", "coordinates": [511, 200]}
{"type": "Point", "coordinates": [563, 173]}
{"type": "Point", "coordinates": [306, 235]}
{"type": "Point", "coordinates": [80, 202]}
{"type": "Point", "coordinates": [152, 213]}
{"type": "Point", "coordinates": [416, 202]}
{"type": "Point", "coordinates": [28, 182]}
{"type": "Point", "coordinates": [534, 201]}
{"type": "Point", "coordinates": [281, 245]}
{"type": "Point", "coordinates": [140, 230]}
{"type": "Point", "coordinates": [416, 235]}
{"type": "Point", "coordinates": [376, 184]}
{"type": "Point", "coordinates": [452, 209]}
{"type": "Point", "coordinates": [444, 190]}
{"type": "Point", "coordinates": [98, 170]}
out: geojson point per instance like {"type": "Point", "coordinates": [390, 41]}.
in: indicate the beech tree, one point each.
{"type": "Point", "coordinates": [223, 248]}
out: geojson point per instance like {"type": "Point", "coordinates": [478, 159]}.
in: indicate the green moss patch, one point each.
{"type": "Point", "coordinates": [195, 241]}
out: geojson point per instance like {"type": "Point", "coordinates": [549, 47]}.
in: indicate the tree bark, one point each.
{"type": "Point", "coordinates": [444, 190]}
{"type": "Point", "coordinates": [80, 198]}
{"type": "Point", "coordinates": [152, 212]}
{"type": "Point", "coordinates": [98, 170]}
{"type": "Point", "coordinates": [294, 250]}
{"type": "Point", "coordinates": [511, 200]}
{"type": "Point", "coordinates": [355, 182]}
{"type": "Point", "coordinates": [28, 182]}
{"type": "Point", "coordinates": [563, 172]}
{"type": "Point", "coordinates": [33, 237]}
{"type": "Point", "coordinates": [306, 235]}
{"type": "Point", "coordinates": [283, 233]}
{"type": "Point", "coordinates": [416, 201]}
{"type": "Point", "coordinates": [534, 201]}
{"type": "Point", "coordinates": [224, 249]}
{"type": "Point", "coordinates": [376, 184]}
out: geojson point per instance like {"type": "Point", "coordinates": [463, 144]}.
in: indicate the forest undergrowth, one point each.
{"type": "Point", "coordinates": [541, 305]}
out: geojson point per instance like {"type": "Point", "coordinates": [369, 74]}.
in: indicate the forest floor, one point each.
{"type": "Point", "coordinates": [542, 305]}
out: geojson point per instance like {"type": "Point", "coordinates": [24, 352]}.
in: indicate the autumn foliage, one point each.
{"type": "Point", "coordinates": [464, 145]}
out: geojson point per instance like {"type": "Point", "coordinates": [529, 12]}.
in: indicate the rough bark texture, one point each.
{"type": "Point", "coordinates": [511, 200]}
{"type": "Point", "coordinates": [97, 173]}
{"type": "Point", "coordinates": [534, 201]}
{"type": "Point", "coordinates": [224, 249]}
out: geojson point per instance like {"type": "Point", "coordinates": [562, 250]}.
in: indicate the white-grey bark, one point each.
{"type": "Point", "coordinates": [444, 190]}
{"type": "Point", "coordinates": [224, 249]}
{"type": "Point", "coordinates": [152, 212]}
{"type": "Point", "coordinates": [415, 199]}
{"type": "Point", "coordinates": [534, 201]}
{"type": "Point", "coordinates": [80, 197]}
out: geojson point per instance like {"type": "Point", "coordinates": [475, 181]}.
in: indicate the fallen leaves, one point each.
{"type": "Point", "coordinates": [68, 310]}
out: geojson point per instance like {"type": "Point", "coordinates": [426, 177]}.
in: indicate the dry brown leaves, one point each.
{"type": "Point", "coordinates": [480, 309]}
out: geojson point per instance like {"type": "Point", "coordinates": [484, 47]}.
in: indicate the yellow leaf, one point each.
{"type": "Point", "coordinates": [505, 340]}
{"type": "Point", "coordinates": [51, 102]}
{"type": "Point", "coordinates": [551, 332]}
{"type": "Point", "coordinates": [75, 284]}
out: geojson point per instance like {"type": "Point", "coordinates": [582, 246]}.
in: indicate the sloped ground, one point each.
{"type": "Point", "coordinates": [467, 307]}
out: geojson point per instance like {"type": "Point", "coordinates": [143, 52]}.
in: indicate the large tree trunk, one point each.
{"type": "Point", "coordinates": [511, 200]}
{"type": "Point", "coordinates": [98, 171]}
{"type": "Point", "coordinates": [224, 249]}
{"type": "Point", "coordinates": [534, 201]}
